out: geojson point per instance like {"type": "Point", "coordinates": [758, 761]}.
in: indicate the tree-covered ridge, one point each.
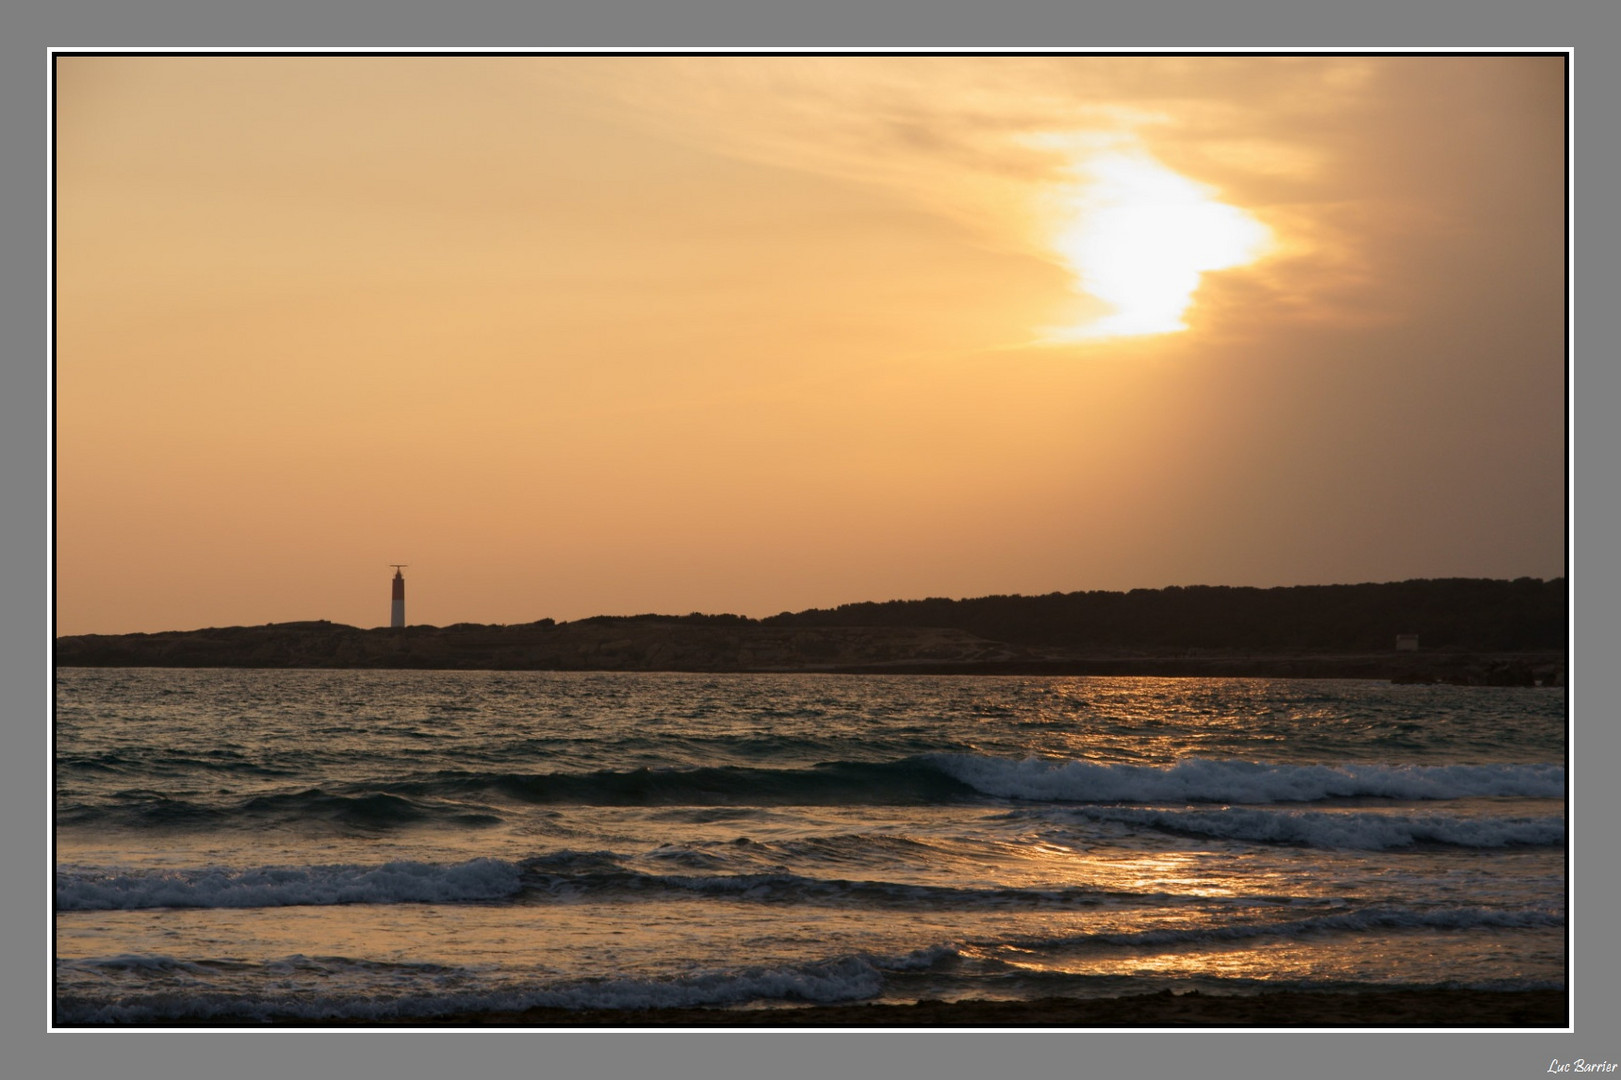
{"type": "Point", "coordinates": [1451, 613]}
{"type": "Point", "coordinates": [1491, 632]}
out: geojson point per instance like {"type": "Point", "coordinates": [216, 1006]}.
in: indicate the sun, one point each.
{"type": "Point", "coordinates": [1138, 236]}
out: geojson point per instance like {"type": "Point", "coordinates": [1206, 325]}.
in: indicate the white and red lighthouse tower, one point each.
{"type": "Point", "coordinates": [396, 615]}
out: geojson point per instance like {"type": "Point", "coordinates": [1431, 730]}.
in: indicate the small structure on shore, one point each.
{"type": "Point", "coordinates": [1407, 643]}
{"type": "Point", "coordinates": [396, 615]}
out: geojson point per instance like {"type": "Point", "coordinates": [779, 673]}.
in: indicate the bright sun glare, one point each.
{"type": "Point", "coordinates": [1139, 238]}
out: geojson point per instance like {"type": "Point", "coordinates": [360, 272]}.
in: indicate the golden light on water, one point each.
{"type": "Point", "coordinates": [1141, 236]}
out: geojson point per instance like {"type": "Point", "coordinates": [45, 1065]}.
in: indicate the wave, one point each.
{"type": "Point", "coordinates": [846, 979]}
{"type": "Point", "coordinates": [569, 876]}
{"type": "Point", "coordinates": [159, 761]}
{"type": "Point", "coordinates": [137, 989]}
{"type": "Point", "coordinates": [362, 809]}
{"type": "Point", "coordinates": [1353, 830]}
{"type": "Point", "coordinates": [1379, 918]}
{"type": "Point", "coordinates": [281, 886]}
{"type": "Point", "coordinates": [451, 797]}
{"type": "Point", "coordinates": [1202, 780]}
{"type": "Point", "coordinates": [910, 781]}
{"type": "Point", "coordinates": [861, 849]}
{"type": "Point", "coordinates": [936, 778]}
{"type": "Point", "coordinates": [787, 888]}
{"type": "Point", "coordinates": [564, 875]}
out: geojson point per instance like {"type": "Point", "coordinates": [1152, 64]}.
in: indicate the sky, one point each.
{"type": "Point", "coordinates": [579, 335]}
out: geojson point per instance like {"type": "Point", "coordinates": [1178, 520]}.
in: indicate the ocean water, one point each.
{"type": "Point", "coordinates": [285, 846]}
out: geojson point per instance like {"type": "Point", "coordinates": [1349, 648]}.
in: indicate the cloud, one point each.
{"type": "Point", "coordinates": [1343, 158]}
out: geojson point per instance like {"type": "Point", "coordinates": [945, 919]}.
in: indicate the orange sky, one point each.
{"type": "Point", "coordinates": [586, 335]}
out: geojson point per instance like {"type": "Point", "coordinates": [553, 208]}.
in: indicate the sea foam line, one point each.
{"type": "Point", "coordinates": [848, 978]}
{"type": "Point", "coordinates": [1204, 780]}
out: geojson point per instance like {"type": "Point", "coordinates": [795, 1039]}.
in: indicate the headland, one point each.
{"type": "Point", "coordinates": [1461, 631]}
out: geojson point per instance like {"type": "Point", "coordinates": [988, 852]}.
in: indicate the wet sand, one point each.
{"type": "Point", "coordinates": [1434, 1009]}
{"type": "Point", "coordinates": [1394, 1008]}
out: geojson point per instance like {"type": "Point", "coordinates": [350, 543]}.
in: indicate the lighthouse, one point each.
{"type": "Point", "coordinates": [396, 615]}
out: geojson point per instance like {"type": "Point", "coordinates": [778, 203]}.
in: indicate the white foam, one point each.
{"type": "Point", "coordinates": [279, 886]}
{"type": "Point", "coordinates": [852, 978]}
{"type": "Point", "coordinates": [1203, 780]}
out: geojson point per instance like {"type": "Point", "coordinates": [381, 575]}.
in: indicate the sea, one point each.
{"type": "Point", "coordinates": [284, 847]}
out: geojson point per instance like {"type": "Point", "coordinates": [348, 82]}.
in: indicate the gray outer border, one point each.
{"type": "Point", "coordinates": [25, 582]}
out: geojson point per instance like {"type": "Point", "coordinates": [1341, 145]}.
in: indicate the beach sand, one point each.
{"type": "Point", "coordinates": [1434, 1009]}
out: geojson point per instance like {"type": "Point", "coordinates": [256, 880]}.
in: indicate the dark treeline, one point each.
{"type": "Point", "coordinates": [1473, 614]}
{"type": "Point", "coordinates": [1449, 613]}
{"type": "Point", "coordinates": [1201, 630]}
